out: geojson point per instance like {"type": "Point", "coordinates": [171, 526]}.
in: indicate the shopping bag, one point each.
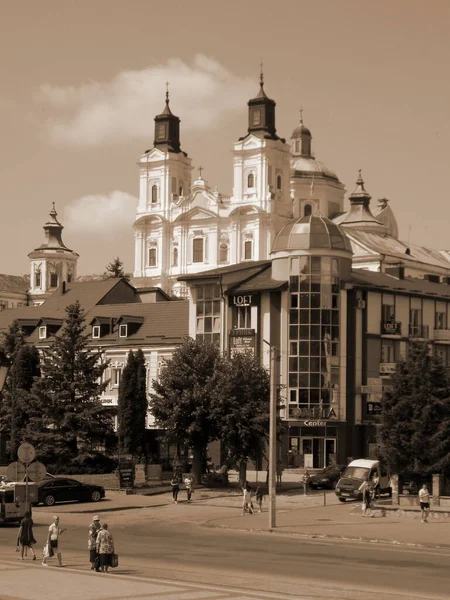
{"type": "Point", "coordinates": [114, 560]}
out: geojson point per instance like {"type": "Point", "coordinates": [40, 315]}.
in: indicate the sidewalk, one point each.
{"type": "Point", "coordinates": [307, 517]}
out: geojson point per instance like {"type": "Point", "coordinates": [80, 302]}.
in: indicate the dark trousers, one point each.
{"type": "Point", "coordinates": [175, 490]}
{"type": "Point", "coordinates": [189, 494]}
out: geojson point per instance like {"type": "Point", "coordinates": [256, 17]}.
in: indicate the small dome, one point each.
{"type": "Point", "coordinates": [311, 232]}
{"type": "Point", "coordinates": [305, 166]}
{"type": "Point", "coordinates": [300, 131]}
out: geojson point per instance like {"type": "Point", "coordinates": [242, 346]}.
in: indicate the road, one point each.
{"type": "Point", "coordinates": [169, 542]}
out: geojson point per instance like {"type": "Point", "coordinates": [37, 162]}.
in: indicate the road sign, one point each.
{"type": "Point", "coordinates": [15, 471]}
{"type": "Point", "coordinates": [26, 453]}
{"type": "Point", "coordinates": [36, 471]}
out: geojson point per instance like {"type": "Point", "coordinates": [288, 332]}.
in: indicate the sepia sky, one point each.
{"type": "Point", "coordinates": [82, 81]}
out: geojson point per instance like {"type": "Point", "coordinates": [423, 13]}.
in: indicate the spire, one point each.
{"type": "Point", "coordinates": [360, 195]}
{"type": "Point", "coordinates": [261, 113]}
{"type": "Point", "coordinates": [360, 215]}
{"type": "Point", "coordinates": [53, 233]}
{"type": "Point", "coordinates": [167, 128]}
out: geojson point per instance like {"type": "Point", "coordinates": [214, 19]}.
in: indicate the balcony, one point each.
{"type": "Point", "coordinates": [387, 369]}
{"type": "Point", "coordinates": [420, 332]}
{"type": "Point", "coordinates": [391, 328]}
{"type": "Point", "coordinates": [442, 335]}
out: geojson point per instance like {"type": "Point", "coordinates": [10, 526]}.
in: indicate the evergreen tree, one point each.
{"type": "Point", "coordinates": [69, 418]}
{"type": "Point", "coordinates": [242, 409]}
{"type": "Point", "coordinates": [125, 408]}
{"type": "Point", "coordinates": [140, 405]}
{"type": "Point", "coordinates": [115, 269]}
{"type": "Point", "coordinates": [183, 398]}
{"type": "Point", "coordinates": [415, 416]}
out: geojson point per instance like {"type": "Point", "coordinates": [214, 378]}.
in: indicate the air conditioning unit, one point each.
{"type": "Point", "coordinates": [361, 303]}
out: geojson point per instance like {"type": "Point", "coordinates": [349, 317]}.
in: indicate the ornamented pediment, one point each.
{"type": "Point", "coordinates": [197, 214]}
{"type": "Point", "coordinates": [153, 155]}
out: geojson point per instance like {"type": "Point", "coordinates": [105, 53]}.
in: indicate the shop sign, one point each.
{"type": "Point", "coordinates": [314, 423]}
{"type": "Point", "coordinates": [387, 368]}
{"type": "Point", "coordinates": [242, 340]}
{"type": "Point", "coordinates": [126, 473]}
{"type": "Point", "coordinates": [373, 408]}
{"type": "Point", "coordinates": [391, 328]}
{"type": "Point", "coordinates": [316, 412]}
{"type": "Point", "coordinates": [244, 300]}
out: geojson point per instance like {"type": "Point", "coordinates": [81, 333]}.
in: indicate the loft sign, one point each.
{"type": "Point", "coordinates": [243, 300]}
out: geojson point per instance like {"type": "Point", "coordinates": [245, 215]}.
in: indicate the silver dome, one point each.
{"type": "Point", "coordinates": [311, 232]}
{"type": "Point", "coordinates": [305, 166]}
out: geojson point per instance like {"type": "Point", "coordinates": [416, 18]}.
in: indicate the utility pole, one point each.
{"type": "Point", "coordinates": [272, 438]}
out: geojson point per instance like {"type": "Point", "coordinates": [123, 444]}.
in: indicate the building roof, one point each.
{"type": "Point", "coordinates": [251, 266]}
{"type": "Point", "coordinates": [14, 284]}
{"type": "Point", "coordinates": [311, 232]}
{"type": "Point", "coordinates": [307, 166]}
{"type": "Point", "coordinates": [387, 245]}
{"type": "Point", "coordinates": [261, 282]}
{"type": "Point", "coordinates": [422, 287]}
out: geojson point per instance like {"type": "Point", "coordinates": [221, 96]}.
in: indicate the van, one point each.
{"type": "Point", "coordinates": [350, 485]}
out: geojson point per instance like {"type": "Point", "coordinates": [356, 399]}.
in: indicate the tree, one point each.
{"type": "Point", "coordinates": [132, 406]}
{"type": "Point", "coordinates": [242, 410]}
{"type": "Point", "coordinates": [69, 418]}
{"type": "Point", "coordinates": [115, 269]}
{"type": "Point", "coordinates": [183, 398]}
{"type": "Point", "coordinates": [415, 415]}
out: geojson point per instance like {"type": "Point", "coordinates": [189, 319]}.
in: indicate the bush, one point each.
{"type": "Point", "coordinates": [86, 464]}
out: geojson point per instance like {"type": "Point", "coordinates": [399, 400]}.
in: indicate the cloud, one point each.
{"type": "Point", "coordinates": [93, 113]}
{"type": "Point", "coordinates": [101, 213]}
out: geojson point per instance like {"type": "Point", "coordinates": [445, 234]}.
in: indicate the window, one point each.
{"type": "Point", "coordinates": [37, 279]}
{"type": "Point", "coordinates": [307, 210]}
{"type": "Point", "coordinates": [441, 320]}
{"type": "Point", "coordinates": [180, 190]}
{"type": "Point", "coordinates": [208, 313]}
{"type": "Point", "coordinates": [387, 313]}
{"type": "Point", "coordinates": [387, 352]}
{"type": "Point", "coordinates": [152, 257]}
{"type": "Point", "coordinates": [154, 194]}
{"type": "Point", "coordinates": [197, 250]}
{"type": "Point", "coordinates": [441, 353]}
{"type": "Point", "coordinates": [256, 117]}
{"type": "Point", "coordinates": [279, 182]}
{"type": "Point", "coordinates": [96, 331]}
{"type": "Point", "coordinates": [116, 374]}
{"type": "Point", "coordinates": [69, 277]}
{"type": "Point", "coordinates": [175, 257]}
{"type": "Point", "coordinates": [53, 280]}
{"type": "Point", "coordinates": [248, 250]}
{"type": "Point", "coordinates": [161, 131]}
{"type": "Point", "coordinates": [250, 180]}
{"type": "Point", "coordinates": [123, 331]}
{"type": "Point", "coordinates": [415, 321]}
{"type": "Point", "coordinates": [42, 332]}
{"type": "Point", "coordinates": [242, 317]}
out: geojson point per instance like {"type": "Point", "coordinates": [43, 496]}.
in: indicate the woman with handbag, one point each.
{"type": "Point", "coordinates": [105, 548]}
{"type": "Point", "coordinates": [25, 537]}
{"type": "Point", "coordinates": [53, 543]}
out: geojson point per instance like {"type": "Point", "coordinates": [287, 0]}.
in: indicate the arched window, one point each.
{"type": "Point", "coordinates": [154, 194]}
{"type": "Point", "coordinates": [307, 210]}
{"type": "Point", "coordinates": [250, 180]}
{"type": "Point", "coordinates": [175, 257]}
{"type": "Point", "coordinates": [279, 182]}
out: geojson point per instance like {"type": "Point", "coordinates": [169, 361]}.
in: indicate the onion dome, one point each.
{"type": "Point", "coordinates": [360, 215]}
{"type": "Point", "coordinates": [311, 233]}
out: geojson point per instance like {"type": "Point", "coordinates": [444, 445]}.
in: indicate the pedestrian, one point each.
{"type": "Point", "coordinates": [94, 528]}
{"type": "Point", "coordinates": [367, 500]}
{"type": "Point", "coordinates": [305, 481]}
{"type": "Point", "coordinates": [175, 483]}
{"type": "Point", "coordinates": [259, 495]}
{"type": "Point", "coordinates": [279, 472]}
{"type": "Point", "coordinates": [53, 543]}
{"type": "Point", "coordinates": [105, 547]}
{"type": "Point", "coordinates": [247, 504]}
{"type": "Point", "coordinates": [25, 537]}
{"type": "Point", "coordinates": [376, 485]}
{"type": "Point", "coordinates": [424, 501]}
{"type": "Point", "coordinates": [189, 483]}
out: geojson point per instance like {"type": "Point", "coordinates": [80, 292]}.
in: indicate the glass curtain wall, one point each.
{"type": "Point", "coordinates": [313, 334]}
{"type": "Point", "coordinates": [208, 313]}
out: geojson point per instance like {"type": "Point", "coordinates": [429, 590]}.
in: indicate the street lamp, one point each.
{"type": "Point", "coordinates": [272, 437]}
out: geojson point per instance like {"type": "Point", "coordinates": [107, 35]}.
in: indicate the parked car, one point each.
{"type": "Point", "coordinates": [327, 478]}
{"type": "Point", "coordinates": [60, 489]}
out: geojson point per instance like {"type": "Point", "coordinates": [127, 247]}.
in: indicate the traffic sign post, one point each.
{"type": "Point", "coordinates": [15, 471]}
{"type": "Point", "coordinates": [26, 454]}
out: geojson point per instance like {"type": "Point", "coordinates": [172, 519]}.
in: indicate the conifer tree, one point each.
{"type": "Point", "coordinates": [415, 415]}
{"type": "Point", "coordinates": [133, 405]}
{"type": "Point", "coordinates": [115, 269]}
{"type": "Point", "coordinates": [70, 419]}
{"type": "Point", "coordinates": [140, 405]}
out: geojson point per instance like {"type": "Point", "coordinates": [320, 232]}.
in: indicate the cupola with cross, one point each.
{"type": "Point", "coordinates": [52, 263]}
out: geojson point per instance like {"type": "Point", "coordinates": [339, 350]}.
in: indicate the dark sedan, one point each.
{"type": "Point", "coordinates": [327, 478]}
{"type": "Point", "coordinates": [61, 489]}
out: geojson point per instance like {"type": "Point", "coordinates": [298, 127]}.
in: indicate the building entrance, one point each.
{"type": "Point", "coordinates": [316, 452]}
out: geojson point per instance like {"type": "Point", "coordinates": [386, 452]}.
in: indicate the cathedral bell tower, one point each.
{"type": "Point", "coordinates": [165, 179]}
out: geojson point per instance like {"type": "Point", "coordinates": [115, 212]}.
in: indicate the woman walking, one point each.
{"type": "Point", "coordinates": [105, 547]}
{"type": "Point", "coordinates": [189, 483]}
{"type": "Point", "coordinates": [25, 537]}
{"type": "Point", "coordinates": [94, 528]}
{"type": "Point", "coordinates": [175, 483]}
{"type": "Point", "coordinates": [53, 542]}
